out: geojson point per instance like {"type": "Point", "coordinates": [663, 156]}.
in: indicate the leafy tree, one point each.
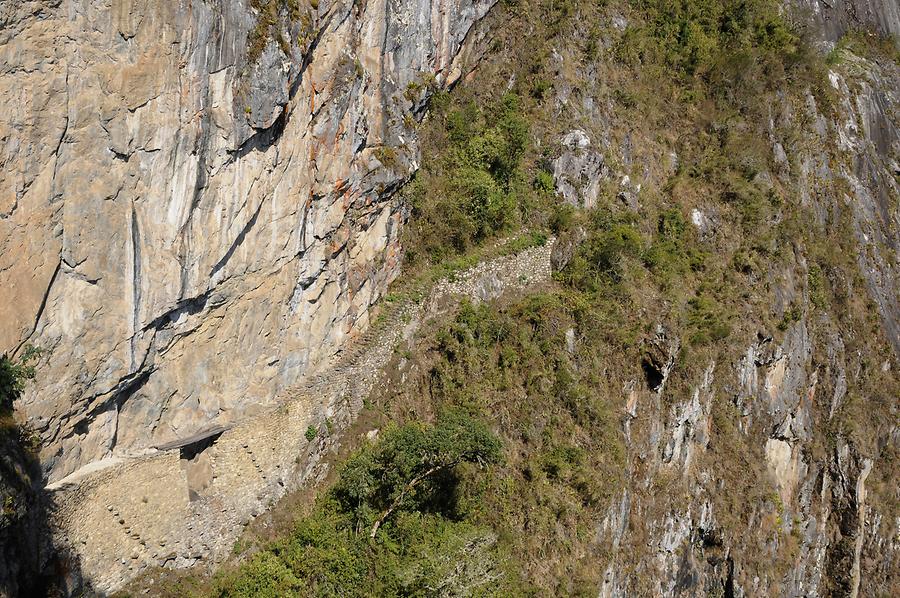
{"type": "Point", "coordinates": [406, 477]}
{"type": "Point", "coordinates": [404, 470]}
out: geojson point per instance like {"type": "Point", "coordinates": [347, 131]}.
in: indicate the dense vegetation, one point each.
{"type": "Point", "coordinates": [395, 523]}
{"type": "Point", "coordinates": [476, 189]}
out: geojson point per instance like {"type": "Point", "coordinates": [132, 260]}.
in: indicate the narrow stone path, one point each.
{"type": "Point", "coordinates": [177, 506]}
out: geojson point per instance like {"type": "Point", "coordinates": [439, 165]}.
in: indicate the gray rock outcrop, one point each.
{"type": "Point", "coordinates": [834, 18]}
{"type": "Point", "coordinates": [579, 171]}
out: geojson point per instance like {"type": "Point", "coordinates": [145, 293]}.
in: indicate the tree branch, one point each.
{"type": "Point", "coordinates": [412, 484]}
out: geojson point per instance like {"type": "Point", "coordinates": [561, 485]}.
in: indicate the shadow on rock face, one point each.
{"type": "Point", "coordinates": [30, 565]}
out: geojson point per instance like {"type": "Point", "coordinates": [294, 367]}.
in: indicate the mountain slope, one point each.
{"type": "Point", "coordinates": [703, 400]}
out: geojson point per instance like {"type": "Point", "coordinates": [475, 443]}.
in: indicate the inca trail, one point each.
{"type": "Point", "coordinates": [188, 501]}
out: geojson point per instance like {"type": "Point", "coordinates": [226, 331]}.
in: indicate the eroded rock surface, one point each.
{"type": "Point", "coordinates": [834, 18]}
{"type": "Point", "coordinates": [195, 200]}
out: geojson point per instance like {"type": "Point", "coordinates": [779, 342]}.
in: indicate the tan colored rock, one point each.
{"type": "Point", "coordinates": [188, 229]}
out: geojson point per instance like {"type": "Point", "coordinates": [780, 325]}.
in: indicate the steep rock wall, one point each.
{"type": "Point", "coordinates": [833, 18]}
{"type": "Point", "coordinates": [195, 199]}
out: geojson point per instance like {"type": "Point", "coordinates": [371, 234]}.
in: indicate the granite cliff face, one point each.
{"type": "Point", "coordinates": [195, 199]}
{"type": "Point", "coordinates": [833, 18]}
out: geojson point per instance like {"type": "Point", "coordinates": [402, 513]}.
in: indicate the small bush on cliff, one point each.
{"type": "Point", "coordinates": [13, 376]}
{"type": "Point", "coordinates": [602, 259]}
{"type": "Point", "coordinates": [673, 255]}
{"type": "Point", "coordinates": [706, 320]}
{"type": "Point", "coordinates": [268, 26]}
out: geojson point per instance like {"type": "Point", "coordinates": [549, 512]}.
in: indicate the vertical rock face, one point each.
{"type": "Point", "coordinates": [869, 131]}
{"type": "Point", "coordinates": [833, 18]}
{"type": "Point", "coordinates": [195, 199]}
{"type": "Point", "coordinates": [814, 533]}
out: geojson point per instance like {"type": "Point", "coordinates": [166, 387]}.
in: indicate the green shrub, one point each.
{"type": "Point", "coordinates": [693, 36]}
{"type": "Point", "coordinates": [439, 102]}
{"type": "Point", "coordinates": [602, 259]}
{"type": "Point", "coordinates": [707, 320]}
{"type": "Point", "coordinates": [311, 433]}
{"type": "Point", "coordinates": [472, 193]}
{"type": "Point", "coordinates": [544, 183]}
{"type": "Point", "coordinates": [407, 481]}
{"type": "Point", "coordinates": [562, 217]}
{"type": "Point", "coordinates": [672, 256]}
{"type": "Point", "coordinates": [13, 376]}
{"type": "Point", "coordinates": [792, 314]}
{"type": "Point", "coordinates": [672, 226]}
{"type": "Point", "coordinates": [326, 554]}
{"type": "Point", "coordinates": [264, 576]}
{"type": "Point", "coordinates": [560, 462]}
{"type": "Point", "coordinates": [540, 88]}
{"type": "Point", "coordinates": [407, 469]}
{"type": "Point", "coordinates": [486, 205]}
